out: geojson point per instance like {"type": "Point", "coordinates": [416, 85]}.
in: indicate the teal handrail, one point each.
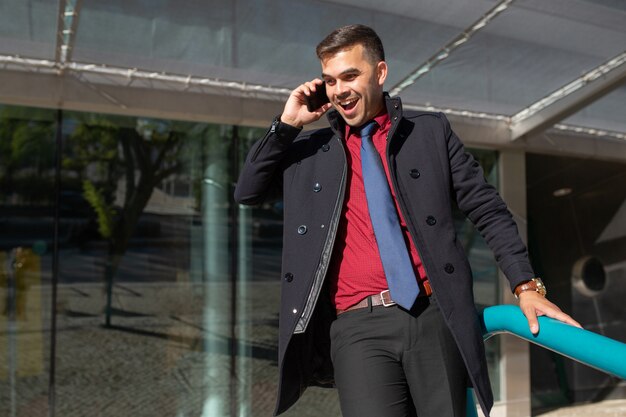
{"type": "Point", "coordinates": [584, 346]}
{"type": "Point", "coordinates": [581, 345]}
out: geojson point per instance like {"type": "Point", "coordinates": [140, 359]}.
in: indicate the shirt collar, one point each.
{"type": "Point", "coordinates": [382, 119]}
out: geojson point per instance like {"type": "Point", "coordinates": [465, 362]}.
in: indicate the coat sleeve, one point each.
{"type": "Point", "coordinates": [482, 204]}
{"type": "Point", "coordinates": [262, 174]}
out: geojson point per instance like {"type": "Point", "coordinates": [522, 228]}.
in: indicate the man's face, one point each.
{"type": "Point", "coordinates": [354, 84]}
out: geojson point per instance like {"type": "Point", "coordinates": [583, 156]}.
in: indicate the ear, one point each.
{"type": "Point", "coordinates": [381, 72]}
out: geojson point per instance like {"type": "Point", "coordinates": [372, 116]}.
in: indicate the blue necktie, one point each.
{"type": "Point", "coordinates": [391, 246]}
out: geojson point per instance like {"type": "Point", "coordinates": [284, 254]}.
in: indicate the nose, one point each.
{"type": "Point", "coordinates": [341, 89]}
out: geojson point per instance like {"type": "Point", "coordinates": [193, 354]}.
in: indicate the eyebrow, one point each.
{"type": "Point", "coordinates": [344, 72]}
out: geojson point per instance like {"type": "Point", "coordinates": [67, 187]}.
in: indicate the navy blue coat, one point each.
{"type": "Point", "coordinates": [431, 171]}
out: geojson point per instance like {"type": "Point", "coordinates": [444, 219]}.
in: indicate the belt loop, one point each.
{"type": "Point", "coordinates": [369, 303]}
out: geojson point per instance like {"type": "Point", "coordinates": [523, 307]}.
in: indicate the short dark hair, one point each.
{"type": "Point", "coordinates": [346, 37]}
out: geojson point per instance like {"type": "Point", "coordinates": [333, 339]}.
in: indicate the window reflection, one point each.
{"type": "Point", "coordinates": [577, 242]}
{"type": "Point", "coordinates": [484, 267]}
{"type": "Point", "coordinates": [26, 234]}
{"type": "Point", "coordinates": [168, 292]}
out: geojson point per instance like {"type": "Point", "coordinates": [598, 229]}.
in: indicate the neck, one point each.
{"type": "Point", "coordinates": [378, 109]}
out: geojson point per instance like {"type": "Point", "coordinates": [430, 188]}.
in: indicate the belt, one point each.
{"type": "Point", "coordinates": [383, 299]}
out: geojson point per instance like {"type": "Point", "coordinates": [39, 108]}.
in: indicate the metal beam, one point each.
{"type": "Point", "coordinates": [60, 28]}
{"type": "Point", "coordinates": [569, 99]}
{"type": "Point", "coordinates": [93, 88]}
{"type": "Point", "coordinates": [67, 24]}
{"type": "Point", "coordinates": [443, 53]}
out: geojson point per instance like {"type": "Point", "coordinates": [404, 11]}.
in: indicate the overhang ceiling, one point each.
{"type": "Point", "coordinates": [525, 66]}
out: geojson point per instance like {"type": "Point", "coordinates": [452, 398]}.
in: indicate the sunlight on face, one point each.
{"type": "Point", "coordinates": [354, 84]}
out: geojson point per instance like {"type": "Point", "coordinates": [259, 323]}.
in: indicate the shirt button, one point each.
{"type": "Point", "coordinates": [415, 173]}
{"type": "Point", "coordinates": [301, 229]}
{"type": "Point", "coordinates": [449, 268]}
{"type": "Point", "coordinates": [317, 187]}
{"type": "Point", "coordinates": [288, 277]}
{"type": "Point", "coordinates": [430, 220]}
{"type": "Point", "coordinates": [325, 147]}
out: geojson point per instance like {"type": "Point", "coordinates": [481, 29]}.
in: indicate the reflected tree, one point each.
{"type": "Point", "coordinates": [26, 154]}
{"type": "Point", "coordinates": [119, 168]}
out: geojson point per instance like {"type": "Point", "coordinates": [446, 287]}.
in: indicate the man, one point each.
{"type": "Point", "coordinates": [399, 322]}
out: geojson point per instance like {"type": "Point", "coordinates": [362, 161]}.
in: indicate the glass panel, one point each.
{"type": "Point", "coordinates": [146, 300]}
{"type": "Point", "coordinates": [577, 240]}
{"type": "Point", "coordinates": [180, 37]}
{"type": "Point", "coordinates": [484, 267]}
{"type": "Point", "coordinates": [255, 41]}
{"type": "Point", "coordinates": [28, 28]}
{"type": "Point", "coordinates": [608, 113]}
{"type": "Point", "coordinates": [168, 293]}
{"type": "Point", "coordinates": [183, 313]}
{"type": "Point", "coordinates": [527, 52]}
{"type": "Point", "coordinates": [27, 183]}
{"type": "Point", "coordinates": [259, 302]}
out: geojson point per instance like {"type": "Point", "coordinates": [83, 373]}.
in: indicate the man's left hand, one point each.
{"type": "Point", "coordinates": [534, 304]}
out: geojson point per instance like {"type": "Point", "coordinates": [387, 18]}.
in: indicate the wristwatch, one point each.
{"type": "Point", "coordinates": [535, 284]}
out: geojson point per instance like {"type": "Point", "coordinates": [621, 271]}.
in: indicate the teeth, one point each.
{"type": "Point", "coordinates": [345, 103]}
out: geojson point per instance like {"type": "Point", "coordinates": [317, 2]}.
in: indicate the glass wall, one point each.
{"type": "Point", "coordinates": [484, 267]}
{"type": "Point", "coordinates": [27, 183]}
{"type": "Point", "coordinates": [167, 292]}
{"type": "Point", "coordinates": [577, 241]}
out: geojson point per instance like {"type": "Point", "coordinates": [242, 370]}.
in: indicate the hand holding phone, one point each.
{"type": "Point", "coordinates": [306, 104]}
{"type": "Point", "coordinates": [317, 99]}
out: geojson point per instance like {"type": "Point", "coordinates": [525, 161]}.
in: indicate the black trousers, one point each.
{"type": "Point", "coordinates": [390, 362]}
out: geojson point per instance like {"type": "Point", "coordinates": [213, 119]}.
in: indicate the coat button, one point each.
{"type": "Point", "coordinates": [414, 173]}
{"type": "Point", "coordinates": [325, 147]}
{"type": "Point", "coordinates": [317, 187]}
{"type": "Point", "coordinates": [294, 311]}
{"type": "Point", "coordinates": [430, 220]}
{"type": "Point", "coordinates": [449, 268]}
{"type": "Point", "coordinates": [288, 277]}
{"type": "Point", "coordinates": [301, 230]}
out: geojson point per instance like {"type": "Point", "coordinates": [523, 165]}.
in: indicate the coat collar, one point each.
{"type": "Point", "coordinates": [394, 109]}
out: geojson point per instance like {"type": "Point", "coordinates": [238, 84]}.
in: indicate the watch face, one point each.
{"type": "Point", "coordinates": [541, 288]}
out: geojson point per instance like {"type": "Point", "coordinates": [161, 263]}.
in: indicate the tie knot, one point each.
{"type": "Point", "coordinates": [368, 128]}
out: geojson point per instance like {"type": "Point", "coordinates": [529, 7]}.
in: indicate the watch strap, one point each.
{"type": "Point", "coordinates": [534, 284]}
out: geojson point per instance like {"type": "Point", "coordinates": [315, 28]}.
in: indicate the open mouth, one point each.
{"type": "Point", "coordinates": [349, 104]}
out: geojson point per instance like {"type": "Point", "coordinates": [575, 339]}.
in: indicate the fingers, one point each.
{"type": "Point", "coordinates": [310, 87]}
{"type": "Point", "coordinates": [561, 316]}
{"type": "Point", "coordinates": [531, 316]}
{"type": "Point", "coordinates": [320, 112]}
{"type": "Point", "coordinates": [533, 305]}
{"type": "Point", "coordinates": [295, 112]}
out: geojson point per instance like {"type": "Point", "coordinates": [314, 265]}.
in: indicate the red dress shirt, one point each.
{"type": "Point", "coordinates": [356, 270]}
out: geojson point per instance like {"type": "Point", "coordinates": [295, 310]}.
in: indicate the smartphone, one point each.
{"type": "Point", "coordinates": [317, 99]}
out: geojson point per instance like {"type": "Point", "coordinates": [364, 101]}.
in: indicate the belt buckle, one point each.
{"type": "Point", "coordinates": [382, 298]}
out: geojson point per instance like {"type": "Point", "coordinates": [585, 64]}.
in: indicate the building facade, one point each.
{"type": "Point", "coordinates": [132, 284]}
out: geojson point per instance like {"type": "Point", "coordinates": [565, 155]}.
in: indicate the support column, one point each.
{"type": "Point", "coordinates": [514, 352]}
